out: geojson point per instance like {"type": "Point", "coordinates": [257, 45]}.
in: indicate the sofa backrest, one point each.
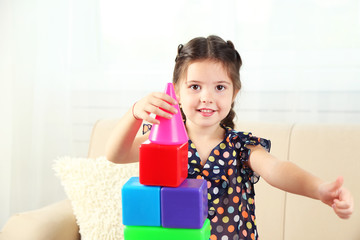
{"type": "Point", "coordinates": [99, 136]}
{"type": "Point", "coordinates": [328, 151]}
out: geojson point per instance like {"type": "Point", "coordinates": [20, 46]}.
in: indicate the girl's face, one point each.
{"type": "Point", "coordinates": [206, 93]}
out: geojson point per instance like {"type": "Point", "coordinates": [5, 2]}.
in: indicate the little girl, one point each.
{"type": "Point", "coordinates": [206, 80]}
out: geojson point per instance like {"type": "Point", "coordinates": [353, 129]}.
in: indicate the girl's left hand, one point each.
{"type": "Point", "coordinates": [338, 197]}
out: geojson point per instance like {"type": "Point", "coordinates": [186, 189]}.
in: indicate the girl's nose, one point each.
{"type": "Point", "coordinates": [206, 98]}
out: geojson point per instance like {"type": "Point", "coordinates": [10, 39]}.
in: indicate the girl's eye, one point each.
{"type": "Point", "coordinates": [220, 87]}
{"type": "Point", "coordinates": [195, 87]}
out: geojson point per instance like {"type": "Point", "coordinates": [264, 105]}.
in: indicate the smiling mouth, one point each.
{"type": "Point", "coordinates": [205, 110]}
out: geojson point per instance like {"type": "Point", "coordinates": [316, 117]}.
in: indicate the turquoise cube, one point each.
{"type": "Point", "coordinates": [141, 204]}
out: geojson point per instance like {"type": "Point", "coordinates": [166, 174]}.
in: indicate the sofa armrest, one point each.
{"type": "Point", "coordinates": [53, 222]}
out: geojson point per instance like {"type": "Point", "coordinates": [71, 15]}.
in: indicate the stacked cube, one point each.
{"type": "Point", "coordinates": [162, 203]}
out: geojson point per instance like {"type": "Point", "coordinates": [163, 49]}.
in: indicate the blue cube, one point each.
{"type": "Point", "coordinates": [141, 204]}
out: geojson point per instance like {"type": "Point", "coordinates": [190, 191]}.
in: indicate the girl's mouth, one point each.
{"type": "Point", "coordinates": [206, 112]}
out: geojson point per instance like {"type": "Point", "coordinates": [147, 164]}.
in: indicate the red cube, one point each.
{"type": "Point", "coordinates": [163, 165]}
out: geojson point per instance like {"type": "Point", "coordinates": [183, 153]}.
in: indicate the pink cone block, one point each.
{"type": "Point", "coordinates": [169, 131]}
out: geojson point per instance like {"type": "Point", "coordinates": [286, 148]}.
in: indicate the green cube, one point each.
{"type": "Point", "coordinates": [161, 233]}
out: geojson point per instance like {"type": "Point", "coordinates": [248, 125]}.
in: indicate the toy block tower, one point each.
{"type": "Point", "coordinates": [162, 203]}
{"type": "Point", "coordinates": [163, 158]}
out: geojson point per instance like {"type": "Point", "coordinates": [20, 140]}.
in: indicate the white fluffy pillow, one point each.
{"type": "Point", "coordinates": [94, 189]}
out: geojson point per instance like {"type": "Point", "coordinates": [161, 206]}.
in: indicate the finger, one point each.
{"type": "Point", "coordinates": [343, 209]}
{"type": "Point", "coordinates": [142, 111]}
{"type": "Point", "coordinates": [150, 119]}
{"type": "Point", "coordinates": [159, 112]}
{"type": "Point", "coordinates": [345, 195]}
{"type": "Point", "coordinates": [341, 204]}
{"type": "Point", "coordinates": [166, 98]}
{"type": "Point", "coordinates": [146, 113]}
{"type": "Point", "coordinates": [337, 183]}
{"type": "Point", "coordinates": [154, 109]}
{"type": "Point", "coordinates": [151, 104]}
{"type": "Point", "coordinates": [165, 106]}
{"type": "Point", "coordinates": [334, 187]}
{"type": "Point", "coordinates": [343, 213]}
{"type": "Point", "coordinates": [345, 199]}
{"type": "Point", "coordinates": [163, 101]}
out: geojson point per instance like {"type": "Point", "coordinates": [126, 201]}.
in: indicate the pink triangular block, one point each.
{"type": "Point", "coordinates": [169, 131]}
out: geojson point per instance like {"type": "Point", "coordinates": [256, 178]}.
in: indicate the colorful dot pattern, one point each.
{"type": "Point", "coordinates": [230, 185]}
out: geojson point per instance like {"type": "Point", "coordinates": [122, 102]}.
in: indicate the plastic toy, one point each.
{"type": "Point", "coordinates": [163, 165]}
{"type": "Point", "coordinates": [141, 204]}
{"type": "Point", "coordinates": [160, 233]}
{"type": "Point", "coordinates": [185, 206]}
{"type": "Point", "coordinates": [162, 204]}
{"type": "Point", "coordinates": [169, 131]}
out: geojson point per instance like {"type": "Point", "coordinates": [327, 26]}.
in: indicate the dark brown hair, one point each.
{"type": "Point", "coordinates": [215, 49]}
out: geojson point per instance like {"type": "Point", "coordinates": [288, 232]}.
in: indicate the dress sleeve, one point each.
{"type": "Point", "coordinates": [246, 139]}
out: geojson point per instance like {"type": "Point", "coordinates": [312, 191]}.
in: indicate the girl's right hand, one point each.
{"type": "Point", "coordinates": [154, 103]}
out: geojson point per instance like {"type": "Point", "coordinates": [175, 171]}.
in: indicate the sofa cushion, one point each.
{"type": "Point", "coordinates": [94, 189]}
{"type": "Point", "coordinates": [328, 151]}
{"type": "Point", "coordinates": [53, 222]}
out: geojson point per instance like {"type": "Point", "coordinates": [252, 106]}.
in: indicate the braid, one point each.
{"type": "Point", "coordinates": [237, 55]}
{"type": "Point", "coordinates": [230, 43]}
{"type": "Point", "coordinates": [180, 47]}
{"type": "Point", "coordinates": [228, 121]}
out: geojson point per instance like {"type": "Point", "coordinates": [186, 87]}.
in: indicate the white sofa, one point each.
{"type": "Point", "coordinates": [323, 149]}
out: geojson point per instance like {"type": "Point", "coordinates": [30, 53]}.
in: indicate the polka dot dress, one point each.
{"type": "Point", "coordinates": [230, 185]}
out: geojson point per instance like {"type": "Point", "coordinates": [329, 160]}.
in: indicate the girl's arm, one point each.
{"type": "Point", "coordinates": [123, 144]}
{"type": "Point", "coordinates": [289, 177]}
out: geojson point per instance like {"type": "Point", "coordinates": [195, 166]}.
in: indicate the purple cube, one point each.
{"type": "Point", "coordinates": [185, 206]}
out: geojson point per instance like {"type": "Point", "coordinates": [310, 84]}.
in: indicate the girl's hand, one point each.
{"type": "Point", "coordinates": [154, 103]}
{"type": "Point", "coordinates": [338, 197]}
